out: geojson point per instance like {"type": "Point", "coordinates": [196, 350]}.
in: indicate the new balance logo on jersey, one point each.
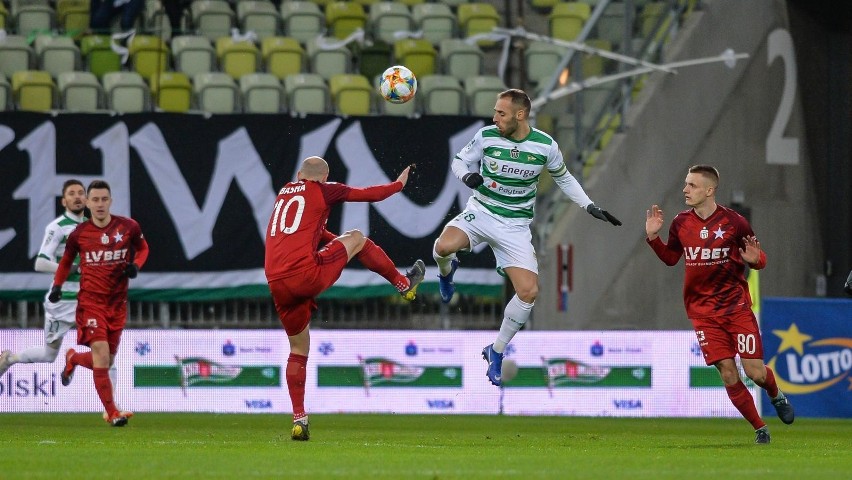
{"type": "Point", "coordinates": [700, 253]}
{"type": "Point", "coordinates": [106, 255]}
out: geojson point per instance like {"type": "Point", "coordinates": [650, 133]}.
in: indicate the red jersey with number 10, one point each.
{"type": "Point", "coordinates": [104, 255]}
{"type": "Point", "coordinates": [298, 220]}
{"type": "Point", "coordinates": [714, 281]}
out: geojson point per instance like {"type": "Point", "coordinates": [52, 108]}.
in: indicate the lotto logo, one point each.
{"type": "Point", "coordinates": [92, 323]}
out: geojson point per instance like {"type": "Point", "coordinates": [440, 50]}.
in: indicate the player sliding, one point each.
{"type": "Point", "coordinates": [717, 243]}
{"type": "Point", "coordinates": [297, 272]}
{"type": "Point", "coordinates": [502, 165]}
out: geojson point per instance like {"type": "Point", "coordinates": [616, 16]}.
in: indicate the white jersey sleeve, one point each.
{"type": "Point", "coordinates": [567, 183]}
{"type": "Point", "coordinates": [53, 236]}
{"type": "Point", "coordinates": [469, 159]}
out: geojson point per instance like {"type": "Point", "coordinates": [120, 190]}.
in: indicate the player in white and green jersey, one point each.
{"type": "Point", "coordinates": [59, 317]}
{"type": "Point", "coordinates": [502, 165]}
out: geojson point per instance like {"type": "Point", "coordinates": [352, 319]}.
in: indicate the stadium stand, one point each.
{"type": "Point", "coordinates": [307, 93]}
{"type": "Point", "coordinates": [126, 92]}
{"type": "Point", "coordinates": [215, 92]}
{"type": "Point", "coordinates": [79, 92]}
{"type": "Point", "coordinates": [262, 93]}
{"type": "Point", "coordinates": [33, 90]}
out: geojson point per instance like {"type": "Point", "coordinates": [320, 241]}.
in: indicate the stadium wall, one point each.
{"type": "Point", "coordinates": [703, 115]}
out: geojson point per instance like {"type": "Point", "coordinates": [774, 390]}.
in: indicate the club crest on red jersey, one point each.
{"type": "Point", "coordinates": [703, 233]}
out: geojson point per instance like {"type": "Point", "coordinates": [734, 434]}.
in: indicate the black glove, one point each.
{"type": "Point", "coordinates": [55, 294]}
{"type": "Point", "coordinates": [602, 214]}
{"type": "Point", "coordinates": [131, 270]}
{"type": "Point", "coordinates": [472, 179]}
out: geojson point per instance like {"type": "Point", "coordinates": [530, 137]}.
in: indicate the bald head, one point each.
{"type": "Point", "coordinates": [313, 168]}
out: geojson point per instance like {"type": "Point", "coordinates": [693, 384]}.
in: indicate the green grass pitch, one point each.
{"type": "Point", "coordinates": [236, 447]}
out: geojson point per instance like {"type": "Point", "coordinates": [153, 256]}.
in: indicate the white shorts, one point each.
{"type": "Point", "coordinates": [511, 244]}
{"type": "Point", "coordinates": [59, 318]}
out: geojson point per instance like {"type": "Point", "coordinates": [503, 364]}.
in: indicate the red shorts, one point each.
{"type": "Point", "coordinates": [726, 337]}
{"type": "Point", "coordinates": [100, 321]}
{"type": "Point", "coordinates": [294, 295]}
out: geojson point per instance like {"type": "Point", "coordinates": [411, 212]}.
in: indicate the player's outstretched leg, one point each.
{"type": "Point", "coordinates": [495, 365]}
{"type": "Point", "coordinates": [300, 430]}
{"type": "Point", "coordinates": [415, 275]}
{"type": "Point", "coordinates": [4, 361]}
{"type": "Point", "coordinates": [445, 282]}
{"type": "Point", "coordinates": [783, 408]}
{"type": "Point", "coordinates": [761, 435]}
{"type": "Point", "coordinates": [68, 371]}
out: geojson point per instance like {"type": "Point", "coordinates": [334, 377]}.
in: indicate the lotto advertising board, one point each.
{"type": "Point", "coordinates": [808, 342]}
{"type": "Point", "coordinates": [609, 373]}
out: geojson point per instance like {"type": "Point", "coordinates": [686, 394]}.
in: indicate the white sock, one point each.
{"type": "Point", "coordinates": [515, 315]}
{"type": "Point", "coordinates": [42, 354]}
{"type": "Point", "coordinates": [444, 266]}
{"type": "Point", "coordinates": [113, 375]}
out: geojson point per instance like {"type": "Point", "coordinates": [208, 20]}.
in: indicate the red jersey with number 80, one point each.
{"type": "Point", "coordinates": [298, 220]}
{"type": "Point", "coordinates": [714, 281]}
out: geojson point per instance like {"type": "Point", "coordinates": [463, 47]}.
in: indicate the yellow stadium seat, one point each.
{"type": "Point", "coordinates": [567, 19]}
{"type": "Point", "coordinates": [237, 58]}
{"type": "Point", "coordinates": [343, 18]}
{"type": "Point", "coordinates": [417, 55]}
{"type": "Point", "coordinates": [149, 55]}
{"type": "Point", "coordinates": [34, 90]}
{"type": "Point", "coordinates": [476, 18]}
{"type": "Point", "coordinates": [351, 94]}
{"type": "Point", "coordinates": [172, 91]}
{"type": "Point", "coordinates": [282, 56]}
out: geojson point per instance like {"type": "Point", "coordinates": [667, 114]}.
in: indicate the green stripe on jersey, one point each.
{"type": "Point", "coordinates": [505, 212]}
{"type": "Point", "coordinates": [505, 154]}
{"type": "Point", "coordinates": [558, 173]}
{"type": "Point", "coordinates": [511, 182]}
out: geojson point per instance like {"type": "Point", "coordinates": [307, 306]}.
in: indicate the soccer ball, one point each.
{"type": "Point", "coordinates": [397, 84]}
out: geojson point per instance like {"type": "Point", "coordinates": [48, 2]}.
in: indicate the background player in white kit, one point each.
{"type": "Point", "coordinates": [59, 317]}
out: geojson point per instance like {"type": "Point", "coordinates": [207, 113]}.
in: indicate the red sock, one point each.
{"type": "Point", "coordinates": [375, 259]}
{"type": "Point", "coordinates": [742, 399]}
{"type": "Point", "coordinates": [769, 383]}
{"type": "Point", "coordinates": [296, 374]}
{"type": "Point", "coordinates": [104, 388]}
{"type": "Point", "coordinates": [82, 360]}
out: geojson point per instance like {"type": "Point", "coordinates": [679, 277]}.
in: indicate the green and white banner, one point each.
{"type": "Point", "coordinates": [202, 189]}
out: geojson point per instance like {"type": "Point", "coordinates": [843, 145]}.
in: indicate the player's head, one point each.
{"type": "Point", "coordinates": [313, 168]}
{"type": "Point", "coordinates": [99, 200]}
{"type": "Point", "coordinates": [73, 196]}
{"type": "Point", "coordinates": [700, 185]}
{"type": "Point", "coordinates": [511, 113]}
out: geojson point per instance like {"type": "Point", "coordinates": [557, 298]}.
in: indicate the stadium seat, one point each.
{"type": "Point", "coordinates": [216, 92]}
{"type": "Point", "coordinates": [541, 60]}
{"type": "Point", "coordinates": [33, 90]}
{"type": "Point", "coordinates": [30, 19]}
{"type": "Point", "coordinates": [193, 54]}
{"type": "Point", "coordinates": [595, 65]}
{"type": "Point", "coordinates": [98, 55]}
{"type": "Point", "coordinates": [482, 93]}
{"type": "Point", "coordinates": [452, 3]}
{"type": "Point", "coordinates": [387, 18]}
{"type": "Point", "coordinates": [460, 59]}
{"type": "Point", "coordinates": [73, 15]}
{"type": "Point", "coordinates": [149, 55]}
{"type": "Point", "coordinates": [79, 92]}
{"type": "Point", "coordinates": [328, 61]}
{"type": "Point", "coordinates": [262, 93]}
{"type": "Point", "coordinates": [307, 93]}
{"type": "Point", "coordinates": [258, 16]}
{"type": "Point", "coordinates": [543, 6]}
{"type": "Point", "coordinates": [567, 19]}
{"type": "Point", "coordinates": [126, 92]}
{"type": "Point", "coordinates": [435, 20]}
{"type": "Point", "coordinates": [157, 22]}
{"type": "Point", "coordinates": [212, 18]}
{"type": "Point", "coordinates": [411, 3]}
{"type": "Point", "coordinates": [343, 18]}
{"type": "Point", "coordinates": [172, 91]}
{"type": "Point", "coordinates": [611, 24]}
{"type": "Point", "coordinates": [417, 55]}
{"type": "Point", "coordinates": [5, 94]}
{"type": "Point", "coordinates": [237, 58]}
{"type": "Point", "coordinates": [302, 20]}
{"type": "Point", "coordinates": [351, 94]}
{"type": "Point", "coordinates": [407, 109]}
{"type": "Point", "coordinates": [476, 18]}
{"type": "Point", "coordinates": [282, 56]}
{"type": "Point", "coordinates": [57, 54]}
{"type": "Point", "coordinates": [15, 55]}
{"type": "Point", "coordinates": [440, 95]}
{"type": "Point", "coordinates": [4, 17]}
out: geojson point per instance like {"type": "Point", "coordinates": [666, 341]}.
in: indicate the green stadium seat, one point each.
{"type": "Point", "coordinates": [373, 59]}
{"type": "Point", "coordinates": [302, 20]}
{"type": "Point", "coordinates": [435, 20]}
{"type": "Point", "coordinates": [476, 18]}
{"type": "Point", "coordinates": [15, 55]}
{"type": "Point", "coordinates": [216, 92]}
{"type": "Point", "coordinates": [282, 56]}
{"type": "Point", "coordinates": [343, 18]}
{"type": "Point", "coordinates": [416, 54]}
{"type": "Point", "coordinates": [57, 54]}
{"type": "Point", "coordinates": [387, 18]}
{"type": "Point", "coordinates": [33, 90]}
{"type": "Point", "coordinates": [79, 92]}
{"type": "Point", "coordinates": [440, 95]}
{"type": "Point", "coordinates": [307, 93]}
{"type": "Point", "coordinates": [262, 93]}
{"type": "Point", "coordinates": [482, 93]}
{"type": "Point", "coordinates": [126, 92]}
{"type": "Point", "coordinates": [351, 94]}
{"type": "Point", "coordinates": [460, 59]}
{"type": "Point", "coordinates": [193, 54]}
{"type": "Point", "coordinates": [172, 92]}
{"type": "Point", "coordinates": [98, 55]}
{"type": "Point", "coordinates": [259, 16]}
{"type": "Point", "coordinates": [567, 19]}
{"type": "Point", "coordinates": [237, 58]}
{"type": "Point", "coordinates": [212, 18]}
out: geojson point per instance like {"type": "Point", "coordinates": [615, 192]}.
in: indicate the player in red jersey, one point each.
{"type": "Point", "coordinates": [717, 243]}
{"type": "Point", "coordinates": [111, 249]}
{"type": "Point", "coordinates": [297, 271]}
